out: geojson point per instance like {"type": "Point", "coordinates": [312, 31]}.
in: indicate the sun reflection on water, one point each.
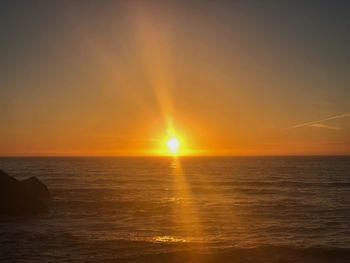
{"type": "Point", "coordinates": [169, 239]}
{"type": "Point", "coordinates": [186, 217]}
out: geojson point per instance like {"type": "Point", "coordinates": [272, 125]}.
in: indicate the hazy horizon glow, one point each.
{"type": "Point", "coordinates": [120, 78]}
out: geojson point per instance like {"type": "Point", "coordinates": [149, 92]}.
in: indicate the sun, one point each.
{"type": "Point", "coordinates": [174, 145]}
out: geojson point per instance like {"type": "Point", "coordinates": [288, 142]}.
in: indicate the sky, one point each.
{"type": "Point", "coordinates": [103, 78]}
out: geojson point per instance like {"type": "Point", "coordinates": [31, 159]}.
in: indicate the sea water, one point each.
{"type": "Point", "coordinates": [189, 209]}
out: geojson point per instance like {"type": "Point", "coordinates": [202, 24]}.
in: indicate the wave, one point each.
{"type": "Point", "coordinates": [49, 249]}
{"type": "Point", "coordinates": [271, 254]}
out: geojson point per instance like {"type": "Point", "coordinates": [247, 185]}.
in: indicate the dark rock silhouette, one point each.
{"type": "Point", "coordinates": [37, 188]}
{"type": "Point", "coordinates": [20, 198]}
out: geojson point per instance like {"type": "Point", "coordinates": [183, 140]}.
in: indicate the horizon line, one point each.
{"type": "Point", "coordinates": [170, 156]}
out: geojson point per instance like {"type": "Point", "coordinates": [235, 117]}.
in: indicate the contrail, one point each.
{"type": "Point", "coordinates": [324, 126]}
{"type": "Point", "coordinates": [318, 121]}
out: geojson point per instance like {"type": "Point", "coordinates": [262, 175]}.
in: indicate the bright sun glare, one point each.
{"type": "Point", "coordinates": [173, 145]}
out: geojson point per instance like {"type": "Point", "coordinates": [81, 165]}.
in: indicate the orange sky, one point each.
{"type": "Point", "coordinates": [228, 79]}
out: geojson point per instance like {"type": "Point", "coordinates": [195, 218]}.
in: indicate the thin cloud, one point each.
{"type": "Point", "coordinates": [324, 126]}
{"type": "Point", "coordinates": [310, 123]}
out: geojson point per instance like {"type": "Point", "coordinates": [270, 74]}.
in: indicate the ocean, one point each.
{"type": "Point", "coordinates": [189, 209]}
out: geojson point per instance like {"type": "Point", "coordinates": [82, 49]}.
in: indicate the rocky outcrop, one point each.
{"type": "Point", "coordinates": [37, 188]}
{"type": "Point", "coordinates": [22, 197]}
